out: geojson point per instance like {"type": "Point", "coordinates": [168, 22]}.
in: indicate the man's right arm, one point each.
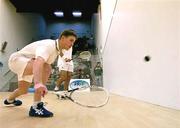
{"type": "Point", "coordinates": [38, 69]}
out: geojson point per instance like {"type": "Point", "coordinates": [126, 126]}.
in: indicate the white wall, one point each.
{"type": "Point", "coordinates": [178, 11]}
{"type": "Point", "coordinates": [140, 28]}
{"type": "Point", "coordinates": [18, 29]}
{"type": "Point", "coordinates": [107, 8]}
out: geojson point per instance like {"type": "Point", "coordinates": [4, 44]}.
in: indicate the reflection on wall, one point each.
{"type": "Point", "coordinates": [86, 66]}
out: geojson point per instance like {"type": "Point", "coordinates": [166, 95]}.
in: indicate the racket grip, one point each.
{"type": "Point", "coordinates": [73, 90]}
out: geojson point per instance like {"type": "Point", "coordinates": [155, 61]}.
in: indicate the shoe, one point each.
{"type": "Point", "coordinates": [15, 102]}
{"type": "Point", "coordinates": [56, 89]}
{"type": "Point", "coordinates": [62, 95]}
{"type": "Point", "coordinates": [40, 111]}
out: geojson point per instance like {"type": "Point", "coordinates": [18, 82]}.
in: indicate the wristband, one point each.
{"type": "Point", "coordinates": [39, 85]}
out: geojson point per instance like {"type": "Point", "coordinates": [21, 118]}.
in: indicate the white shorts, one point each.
{"type": "Point", "coordinates": [17, 63]}
{"type": "Point", "coordinates": [66, 67]}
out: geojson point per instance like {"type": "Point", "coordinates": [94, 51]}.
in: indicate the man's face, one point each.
{"type": "Point", "coordinates": [67, 42]}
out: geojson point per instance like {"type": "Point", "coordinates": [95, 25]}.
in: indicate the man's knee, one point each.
{"type": "Point", "coordinates": [62, 77]}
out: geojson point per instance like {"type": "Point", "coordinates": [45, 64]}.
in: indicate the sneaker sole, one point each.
{"type": "Point", "coordinates": [11, 105]}
{"type": "Point", "coordinates": [40, 116]}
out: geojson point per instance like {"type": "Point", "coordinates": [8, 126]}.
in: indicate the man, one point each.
{"type": "Point", "coordinates": [98, 74]}
{"type": "Point", "coordinates": [65, 65]}
{"type": "Point", "coordinates": [34, 61]}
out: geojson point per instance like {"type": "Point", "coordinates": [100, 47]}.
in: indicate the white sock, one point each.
{"type": "Point", "coordinates": [10, 101]}
{"type": "Point", "coordinates": [35, 104]}
{"type": "Point", "coordinates": [56, 88]}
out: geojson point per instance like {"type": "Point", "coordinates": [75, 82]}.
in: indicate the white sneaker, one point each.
{"type": "Point", "coordinates": [61, 94]}
{"type": "Point", "coordinates": [56, 89]}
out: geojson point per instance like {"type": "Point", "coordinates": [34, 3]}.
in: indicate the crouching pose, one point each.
{"type": "Point", "coordinates": [33, 62]}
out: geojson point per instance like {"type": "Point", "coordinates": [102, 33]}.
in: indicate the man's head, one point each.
{"type": "Point", "coordinates": [98, 63]}
{"type": "Point", "coordinates": [67, 39]}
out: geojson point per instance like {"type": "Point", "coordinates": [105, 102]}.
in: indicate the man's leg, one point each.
{"type": "Point", "coordinates": [46, 74]}
{"type": "Point", "coordinates": [29, 71]}
{"type": "Point", "coordinates": [23, 85]}
{"type": "Point", "coordinates": [68, 78]}
{"type": "Point", "coordinates": [22, 89]}
{"type": "Point", "coordinates": [38, 110]}
{"type": "Point", "coordinates": [62, 78]}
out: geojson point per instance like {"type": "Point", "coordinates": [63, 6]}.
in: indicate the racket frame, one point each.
{"type": "Point", "coordinates": [70, 92]}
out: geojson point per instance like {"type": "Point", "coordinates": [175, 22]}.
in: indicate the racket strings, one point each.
{"type": "Point", "coordinates": [94, 97]}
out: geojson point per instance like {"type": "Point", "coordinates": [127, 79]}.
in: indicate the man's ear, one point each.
{"type": "Point", "coordinates": [63, 37]}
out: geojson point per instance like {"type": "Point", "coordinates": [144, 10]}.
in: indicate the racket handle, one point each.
{"type": "Point", "coordinates": [70, 98]}
{"type": "Point", "coordinates": [73, 90]}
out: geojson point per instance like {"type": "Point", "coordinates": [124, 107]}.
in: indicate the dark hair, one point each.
{"type": "Point", "coordinates": [68, 32]}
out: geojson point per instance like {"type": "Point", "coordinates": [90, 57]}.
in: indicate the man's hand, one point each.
{"type": "Point", "coordinates": [40, 88]}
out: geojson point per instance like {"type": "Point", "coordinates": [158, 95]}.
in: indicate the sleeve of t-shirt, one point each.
{"type": "Point", "coordinates": [43, 52]}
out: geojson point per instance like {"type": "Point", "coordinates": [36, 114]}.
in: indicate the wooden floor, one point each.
{"type": "Point", "coordinates": [120, 112]}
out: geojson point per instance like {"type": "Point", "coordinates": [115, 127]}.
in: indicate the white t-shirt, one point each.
{"type": "Point", "coordinates": [44, 48]}
{"type": "Point", "coordinates": [68, 55]}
